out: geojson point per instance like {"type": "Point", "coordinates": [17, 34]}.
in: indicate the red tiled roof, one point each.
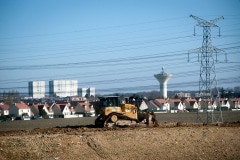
{"type": "Point", "coordinates": [41, 106]}
{"type": "Point", "coordinates": [161, 101]}
{"type": "Point", "coordinates": [21, 106]}
{"type": "Point", "coordinates": [4, 107]}
{"type": "Point", "coordinates": [175, 100]}
{"type": "Point", "coordinates": [62, 106]}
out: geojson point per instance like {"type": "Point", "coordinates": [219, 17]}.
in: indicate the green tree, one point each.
{"type": "Point", "coordinates": [8, 101]}
{"type": "Point", "coordinates": [16, 97]}
{"type": "Point", "coordinates": [43, 113]}
{"type": "Point", "coordinates": [11, 97]}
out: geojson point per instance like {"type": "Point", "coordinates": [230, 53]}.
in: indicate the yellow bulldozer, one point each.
{"type": "Point", "coordinates": [112, 111]}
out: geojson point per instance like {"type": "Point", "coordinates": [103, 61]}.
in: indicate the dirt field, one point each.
{"type": "Point", "coordinates": [162, 118]}
{"type": "Point", "coordinates": [173, 139]}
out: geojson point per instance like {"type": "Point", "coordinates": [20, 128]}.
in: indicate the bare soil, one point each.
{"type": "Point", "coordinates": [170, 140]}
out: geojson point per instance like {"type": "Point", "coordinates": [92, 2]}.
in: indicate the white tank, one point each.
{"type": "Point", "coordinates": [163, 79]}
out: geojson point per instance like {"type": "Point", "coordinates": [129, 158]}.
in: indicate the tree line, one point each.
{"type": "Point", "coordinates": [10, 97]}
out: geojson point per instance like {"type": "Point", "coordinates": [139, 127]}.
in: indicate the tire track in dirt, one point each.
{"type": "Point", "coordinates": [97, 148]}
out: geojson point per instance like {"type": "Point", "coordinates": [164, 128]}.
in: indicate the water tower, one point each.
{"type": "Point", "coordinates": [163, 79]}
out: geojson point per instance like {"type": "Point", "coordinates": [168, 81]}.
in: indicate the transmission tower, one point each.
{"type": "Point", "coordinates": [207, 83]}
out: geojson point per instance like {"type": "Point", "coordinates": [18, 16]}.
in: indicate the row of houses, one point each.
{"type": "Point", "coordinates": [80, 108]}
{"type": "Point", "coordinates": [190, 104]}
{"type": "Point", "coordinates": [54, 110]}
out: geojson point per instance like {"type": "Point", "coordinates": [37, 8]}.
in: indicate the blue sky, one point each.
{"type": "Point", "coordinates": [114, 46]}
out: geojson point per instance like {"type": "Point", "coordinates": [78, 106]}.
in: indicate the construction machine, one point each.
{"type": "Point", "coordinates": [112, 111]}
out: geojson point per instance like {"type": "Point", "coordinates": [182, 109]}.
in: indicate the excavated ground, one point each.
{"type": "Point", "coordinates": [170, 140]}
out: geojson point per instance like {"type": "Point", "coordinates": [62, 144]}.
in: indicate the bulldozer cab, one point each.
{"type": "Point", "coordinates": [110, 101]}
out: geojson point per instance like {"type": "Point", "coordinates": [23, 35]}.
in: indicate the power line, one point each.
{"type": "Point", "coordinates": [171, 86]}
{"type": "Point", "coordinates": [92, 29]}
{"type": "Point", "coordinates": [113, 72]}
{"type": "Point", "coordinates": [143, 78]}
{"type": "Point", "coordinates": [235, 47]}
{"type": "Point", "coordinates": [43, 56]}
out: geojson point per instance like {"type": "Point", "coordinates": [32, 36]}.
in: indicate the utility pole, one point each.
{"type": "Point", "coordinates": [208, 90]}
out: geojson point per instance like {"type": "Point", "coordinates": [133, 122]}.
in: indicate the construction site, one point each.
{"type": "Point", "coordinates": [90, 55]}
{"type": "Point", "coordinates": [176, 137]}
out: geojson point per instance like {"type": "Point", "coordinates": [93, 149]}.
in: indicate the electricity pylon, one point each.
{"type": "Point", "coordinates": [207, 82]}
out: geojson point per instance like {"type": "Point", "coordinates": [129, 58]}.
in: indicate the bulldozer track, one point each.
{"type": "Point", "coordinates": [119, 117]}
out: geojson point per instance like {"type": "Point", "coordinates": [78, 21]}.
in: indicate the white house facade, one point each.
{"type": "Point", "coordinates": [19, 109]}
{"type": "Point", "coordinates": [4, 110]}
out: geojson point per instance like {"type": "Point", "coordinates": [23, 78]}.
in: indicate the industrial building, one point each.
{"type": "Point", "coordinates": [63, 88]}
{"type": "Point", "coordinates": [182, 94]}
{"type": "Point", "coordinates": [36, 89]}
{"type": "Point", "coordinates": [86, 92]}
